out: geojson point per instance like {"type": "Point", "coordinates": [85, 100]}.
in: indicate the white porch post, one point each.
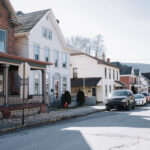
{"type": "Point", "coordinates": [44, 85]}
{"type": "Point", "coordinates": [6, 74]}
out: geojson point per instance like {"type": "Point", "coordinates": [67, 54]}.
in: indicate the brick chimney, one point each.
{"type": "Point", "coordinates": [108, 60]}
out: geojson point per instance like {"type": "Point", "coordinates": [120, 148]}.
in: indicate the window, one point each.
{"type": "Point", "coordinates": [2, 41]}
{"type": "Point", "coordinates": [47, 55]}
{"type": "Point", "coordinates": [109, 88]}
{"type": "Point", "coordinates": [47, 33]}
{"type": "Point", "coordinates": [56, 57]}
{"type": "Point", "coordinates": [109, 73]}
{"type": "Point", "coordinates": [36, 83]}
{"type": "Point", "coordinates": [1, 82]}
{"type": "Point", "coordinates": [117, 75]}
{"type": "Point", "coordinates": [36, 52]}
{"type": "Point", "coordinates": [75, 73]}
{"type": "Point", "coordinates": [114, 74]}
{"type": "Point", "coordinates": [47, 83]}
{"type": "Point", "coordinates": [106, 90]}
{"type": "Point", "coordinates": [64, 84]}
{"type": "Point", "coordinates": [64, 60]}
{"type": "Point", "coordinates": [105, 73]}
{"type": "Point", "coordinates": [93, 91]}
{"type": "Point", "coordinates": [44, 32]}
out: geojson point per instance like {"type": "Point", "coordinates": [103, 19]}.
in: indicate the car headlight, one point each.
{"type": "Point", "coordinates": [124, 100]}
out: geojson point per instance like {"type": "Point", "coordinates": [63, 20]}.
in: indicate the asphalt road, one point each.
{"type": "Point", "coordinates": [125, 130]}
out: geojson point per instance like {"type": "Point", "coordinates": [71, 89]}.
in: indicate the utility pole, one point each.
{"type": "Point", "coordinates": [23, 93]}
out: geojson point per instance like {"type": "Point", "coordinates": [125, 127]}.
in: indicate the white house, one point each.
{"type": "Point", "coordinates": [96, 77]}
{"type": "Point", "coordinates": [40, 38]}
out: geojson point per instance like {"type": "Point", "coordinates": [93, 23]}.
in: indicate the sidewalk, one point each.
{"type": "Point", "coordinates": [54, 115]}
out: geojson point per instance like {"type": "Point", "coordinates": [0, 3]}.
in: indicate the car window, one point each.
{"type": "Point", "coordinates": [119, 93]}
{"type": "Point", "coordinates": [138, 96]}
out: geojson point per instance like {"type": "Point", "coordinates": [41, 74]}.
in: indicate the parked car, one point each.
{"type": "Point", "coordinates": [146, 96]}
{"type": "Point", "coordinates": [120, 99]}
{"type": "Point", "coordinates": [140, 99]}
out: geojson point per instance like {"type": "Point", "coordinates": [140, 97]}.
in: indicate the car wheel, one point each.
{"type": "Point", "coordinates": [108, 108]}
{"type": "Point", "coordinates": [133, 107]}
{"type": "Point", "coordinates": [128, 106]}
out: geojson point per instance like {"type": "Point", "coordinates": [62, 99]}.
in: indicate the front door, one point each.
{"type": "Point", "coordinates": [93, 91]}
{"type": "Point", "coordinates": [56, 89]}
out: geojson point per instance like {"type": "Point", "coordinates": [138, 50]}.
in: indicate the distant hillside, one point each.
{"type": "Point", "coordinates": [143, 67]}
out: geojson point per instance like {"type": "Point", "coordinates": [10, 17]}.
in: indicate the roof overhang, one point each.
{"type": "Point", "coordinates": [9, 6]}
{"type": "Point", "coordinates": [17, 60]}
{"type": "Point", "coordinates": [77, 82]}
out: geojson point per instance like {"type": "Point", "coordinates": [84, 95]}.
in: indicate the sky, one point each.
{"type": "Point", "coordinates": [124, 24]}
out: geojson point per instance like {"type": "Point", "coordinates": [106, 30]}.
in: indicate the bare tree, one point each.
{"type": "Point", "coordinates": [88, 45]}
{"type": "Point", "coordinates": [98, 47]}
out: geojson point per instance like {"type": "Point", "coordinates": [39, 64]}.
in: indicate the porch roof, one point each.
{"type": "Point", "coordinates": [17, 60]}
{"type": "Point", "coordinates": [88, 81]}
{"type": "Point", "coordinates": [120, 83]}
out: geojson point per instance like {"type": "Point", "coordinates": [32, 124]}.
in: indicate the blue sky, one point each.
{"type": "Point", "coordinates": [124, 24]}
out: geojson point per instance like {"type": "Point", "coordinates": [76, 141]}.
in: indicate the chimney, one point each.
{"type": "Point", "coordinates": [108, 60]}
{"type": "Point", "coordinates": [57, 21]}
{"type": "Point", "coordinates": [103, 56]}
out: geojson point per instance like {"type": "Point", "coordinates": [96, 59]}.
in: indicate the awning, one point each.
{"type": "Point", "coordinates": [17, 60]}
{"type": "Point", "coordinates": [76, 82]}
{"type": "Point", "coordinates": [120, 84]}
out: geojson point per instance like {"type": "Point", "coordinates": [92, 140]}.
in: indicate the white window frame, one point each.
{"type": "Point", "coordinates": [56, 51]}
{"type": "Point", "coordinates": [48, 91]}
{"type": "Point", "coordinates": [66, 60]}
{"type": "Point", "coordinates": [38, 91]}
{"type": "Point", "coordinates": [45, 33]}
{"type": "Point", "coordinates": [45, 49]}
{"type": "Point", "coordinates": [65, 83]}
{"type": "Point", "coordinates": [38, 51]}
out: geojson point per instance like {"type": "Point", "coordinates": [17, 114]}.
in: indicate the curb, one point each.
{"type": "Point", "coordinates": [36, 124]}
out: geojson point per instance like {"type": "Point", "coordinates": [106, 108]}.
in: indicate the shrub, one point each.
{"type": "Point", "coordinates": [66, 99]}
{"type": "Point", "coordinates": [80, 98]}
{"type": "Point", "coordinates": [133, 89]}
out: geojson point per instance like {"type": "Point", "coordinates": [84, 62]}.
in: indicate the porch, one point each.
{"type": "Point", "coordinates": [10, 82]}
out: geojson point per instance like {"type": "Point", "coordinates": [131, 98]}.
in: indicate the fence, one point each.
{"type": "Point", "coordinates": [15, 113]}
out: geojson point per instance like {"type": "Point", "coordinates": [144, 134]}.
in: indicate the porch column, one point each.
{"type": "Point", "coordinates": [6, 77]}
{"type": "Point", "coordinates": [44, 85]}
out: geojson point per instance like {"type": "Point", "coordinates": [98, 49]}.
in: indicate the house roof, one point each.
{"type": "Point", "coordinates": [121, 83]}
{"type": "Point", "coordinates": [75, 82]}
{"type": "Point", "coordinates": [9, 6]}
{"type": "Point", "coordinates": [137, 72]}
{"type": "Point", "coordinates": [29, 20]}
{"type": "Point", "coordinates": [13, 59]}
{"type": "Point", "coordinates": [147, 75]}
{"type": "Point", "coordinates": [126, 70]}
{"type": "Point", "coordinates": [100, 61]}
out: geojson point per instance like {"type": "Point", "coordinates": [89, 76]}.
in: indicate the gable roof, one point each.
{"type": "Point", "coordinates": [137, 72]}
{"type": "Point", "coordinates": [10, 8]}
{"type": "Point", "coordinates": [88, 81]}
{"type": "Point", "coordinates": [29, 20]}
{"type": "Point", "coordinates": [121, 83]}
{"type": "Point", "coordinates": [100, 61]}
{"type": "Point", "coordinates": [124, 70]}
{"type": "Point", "coordinates": [147, 75]}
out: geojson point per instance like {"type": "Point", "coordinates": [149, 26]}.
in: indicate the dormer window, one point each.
{"type": "Point", "coordinates": [2, 40]}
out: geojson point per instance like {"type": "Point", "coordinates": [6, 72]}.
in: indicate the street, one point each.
{"type": "Point", "coordinates": [125, 130]}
